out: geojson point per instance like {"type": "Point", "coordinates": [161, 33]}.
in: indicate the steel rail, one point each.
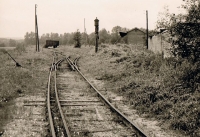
{"type": "Point", "coordinates": [75, 62]}
{"type": "Point", "coordinates": [53, 133]}
{"type": "Point", "coordinates": [59, 106]}
{"type": "Point", "coordinates": [58, 62]}
{"type": "Point", "coordinates": [70, 63]}
{"type": "Point", "coordinates": [141, 132]}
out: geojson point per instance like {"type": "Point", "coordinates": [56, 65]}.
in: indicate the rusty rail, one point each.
{"type": "Point", "coordinates": [59, 106]}
{"type": "Point", "coordinates": [133, 125]}
{"type": "Point", "coordinates": [52, 129]}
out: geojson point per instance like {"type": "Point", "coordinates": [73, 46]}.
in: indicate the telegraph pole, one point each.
{"type": "Point", "coordinates": [147, 29]}
{"type": "Point", "coordinates": [85, 33]}
{"type": "Point", "coordinates": [36, 31]}
{"type": "Point", "coordinates": [37, 35]}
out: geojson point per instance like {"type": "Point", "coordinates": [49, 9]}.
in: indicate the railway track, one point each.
{"type": "Point", "coordinates": [58, 126]}
{"type": "Point", "coordinates": [85, 111]}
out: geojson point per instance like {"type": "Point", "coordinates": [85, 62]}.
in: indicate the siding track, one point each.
{"type": "Point", "coordinates": [85, 111]}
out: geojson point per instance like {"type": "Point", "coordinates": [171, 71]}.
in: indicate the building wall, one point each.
{"type": "Point", "coordinates": [155, 44]}
{"type": "Point", "coordinates": [159, 44]}
{"type": "Point", "coordinates": [136, 37]}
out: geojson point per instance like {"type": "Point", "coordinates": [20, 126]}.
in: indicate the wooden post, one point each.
{"type": "Point", "coordinates": [35, 29]}
{"type": "Point", "coordinates": [37, 35]}
{"type": "Point", "coordinates": [147, 30]}
{"type": "Point", "coordinates": [85, 33]}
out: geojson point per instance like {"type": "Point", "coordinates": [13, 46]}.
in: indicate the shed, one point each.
{"type": "Point", "coordinates": [136, 37]}
{"type": "Point", "coordinates": [161, 43]}
{"type": "Point", "coordinates": [51, 43]}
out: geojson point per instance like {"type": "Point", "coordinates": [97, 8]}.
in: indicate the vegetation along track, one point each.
{"type": "Point", "coordinates": [86, 111]}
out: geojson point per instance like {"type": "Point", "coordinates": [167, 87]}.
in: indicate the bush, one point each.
{"type": "Point", "coordinates": [174, 97]}
{"type": "Point", "coordinates": [77, 39]}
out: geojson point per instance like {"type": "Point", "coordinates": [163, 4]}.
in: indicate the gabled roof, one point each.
{"type": "Point", "coordinates": [122, 34]}
{"type": "Point", "coordinates": [135, 29]}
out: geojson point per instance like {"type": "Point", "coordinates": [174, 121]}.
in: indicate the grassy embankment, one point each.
{"type": "Point", "coordinates": [31, 78]}
{"type": "Point", "coordinates": [156, 87]}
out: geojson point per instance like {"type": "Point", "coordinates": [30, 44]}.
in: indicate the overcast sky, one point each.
{"type": "Point", "coordinates": [60, 16]}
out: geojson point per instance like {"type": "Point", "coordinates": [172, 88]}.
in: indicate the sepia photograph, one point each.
{"type": "Point", "coordinates": [100, 68]}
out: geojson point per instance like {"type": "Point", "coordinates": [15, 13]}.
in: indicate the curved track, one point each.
{"type": "Point", "coordinates": [57, 122]}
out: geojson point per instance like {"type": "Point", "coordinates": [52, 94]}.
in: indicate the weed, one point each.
{"type": "Point", "coordinates": [158, 87]}
{"type": "Point", "coordinates": [122, 59]}
{"type": "Point", "coordinates": [115, 54]}
{"type": "Point", "coordinates": [18, 81]}
{"type": "Point", "coordinates": [109, 99]}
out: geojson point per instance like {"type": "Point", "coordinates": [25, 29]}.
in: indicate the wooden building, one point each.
{"type": "Point", "coordinates": [136, 37]}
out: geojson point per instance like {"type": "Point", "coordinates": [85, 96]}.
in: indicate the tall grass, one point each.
{"type": "Point", "coordinates": [20, 81]}
{"type": "Point", "coordinates": [168, 89]}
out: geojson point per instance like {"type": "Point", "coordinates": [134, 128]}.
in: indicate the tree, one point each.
{"type": "Point", "coordinates": [184, 30]}
{"type": "Point", "coordinates": [92, 38]}
{"type": "Point", "coordinates": [115, 34]}
{"type": "Point", "coordinates": [29, 38]}
{"type": "Point", "coordinates": [12, 43]}
{"type": "Point", "coordinates": [164, 18]}
{"type": "Point", "coordinates": [77, 39]}
{"type": "Point", "coordinates": [104, 36]}
{"type": "Point", "coordinates": [84, 37]}
{"type": "Point", "coordinates": [2, 45]}
{"type": "Point", "coordinates": [54, 36]}
{"type": "Point", "coordinates": [187, 42]}
{"type": "Point", "coordinates": [71, 38]}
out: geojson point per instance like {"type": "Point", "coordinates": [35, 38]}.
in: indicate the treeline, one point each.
{"type": "Point", "coordinates": [87, 39]}
{"type": "Point", "coordinates": [9, 42]}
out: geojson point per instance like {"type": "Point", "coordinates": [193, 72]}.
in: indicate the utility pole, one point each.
{"type": "Point", "coordinates": [85, 33]}
{"type": "Point", "coordinates": [147, 32]}
{"type": "Point", "coordinates": [36, 31]}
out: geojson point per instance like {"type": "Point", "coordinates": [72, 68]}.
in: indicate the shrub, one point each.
{"type": "Point", "coordinates": [77, 39]}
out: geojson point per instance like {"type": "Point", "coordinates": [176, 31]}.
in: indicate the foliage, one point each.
{"type": "Point", "coordinates": [30, 78]}
{"type": "Point", "coordinates": [184, 30]}
{"type": "Point", "coordinates": [4, 42]}
{"type": "Point", "coordinates": [161, 88]}
{"type": "Point", "coordinates": [85, 39]}
{"type": "Point", "coordinates": [92, 39]}
{"type": "Point", "coordinates": [104, 36]}
{"type": "Point", "coordinates": [115, 37]}
{"type": "Point", "coordinates": [187, 42]}
{"type": "Point", "coordinates": [2, 45]}
{"type": "Point", "coordinates": [77, 39]}
{"type": "Point", "coordinates": [29, 38]}
{"type": "Point", "coordinates": [164, 19]}
{"type": "Point", "coordinates": [20, 48]}
{"type": "Point", "coordinates": [186, 48]}
{"type": "Point", "coordinates": [12, 43]}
